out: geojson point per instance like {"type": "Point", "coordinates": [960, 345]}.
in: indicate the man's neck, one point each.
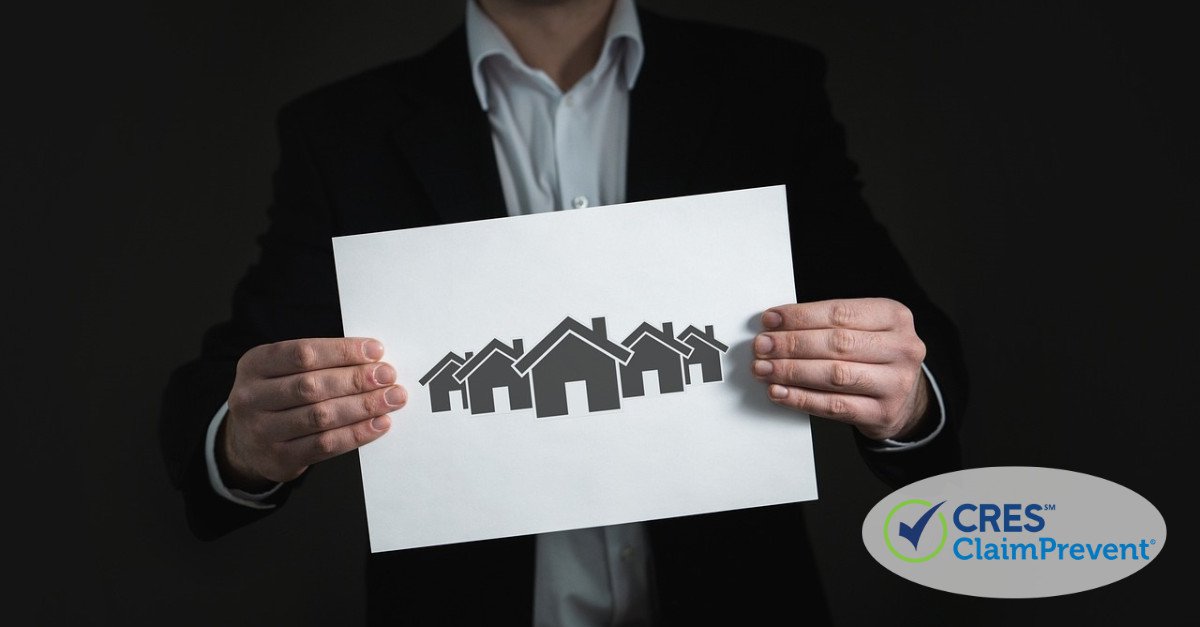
{"type": "Point", "coordinates": [563, 38]}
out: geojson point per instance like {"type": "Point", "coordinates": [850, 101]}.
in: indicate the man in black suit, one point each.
{"type": "Point", "coordinates": [459, 133]}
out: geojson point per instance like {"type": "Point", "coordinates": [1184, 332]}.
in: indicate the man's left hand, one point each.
{"type": "Point", "coordinates": [856, 361]}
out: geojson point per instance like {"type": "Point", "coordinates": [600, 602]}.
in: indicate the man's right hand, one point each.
{"type": "Point", "coordinates": [298, 402]}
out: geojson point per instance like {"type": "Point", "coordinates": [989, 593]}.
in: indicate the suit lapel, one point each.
{"type": "Point", "coordinates": [668, 113]}
{"type": "Point", "coordinates": [446, 139]}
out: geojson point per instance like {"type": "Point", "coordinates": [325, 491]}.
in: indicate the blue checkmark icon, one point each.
{"type": "Point", "coordinates": [913, 533]}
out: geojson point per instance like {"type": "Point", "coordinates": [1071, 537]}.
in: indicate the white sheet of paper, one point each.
{"type": "Point", "coordinates": [443, 477]}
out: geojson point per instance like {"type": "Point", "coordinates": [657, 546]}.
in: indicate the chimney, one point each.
{"type": "Point", "coordinates": [599, 327]}
{"type": "Point", "coordinates": [669, 329]}
{"type": "Point", "coordinates": [518, 346]}
{"type": "Point", "coordinates": [468, 356]}
{"type": "Point", "coordinates": [708, 330]}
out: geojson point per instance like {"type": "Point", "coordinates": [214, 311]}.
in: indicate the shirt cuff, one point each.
{"type": "Point", "coordinates": [889, 445]}
{"type": "Point", "coordinates": [249, 499]}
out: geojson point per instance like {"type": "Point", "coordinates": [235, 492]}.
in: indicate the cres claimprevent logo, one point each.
{"type": "Point", "coordinates": [1014, 532]}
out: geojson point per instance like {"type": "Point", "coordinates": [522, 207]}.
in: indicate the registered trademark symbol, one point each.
{"type": "Point", "coordinates": [1153, 541]}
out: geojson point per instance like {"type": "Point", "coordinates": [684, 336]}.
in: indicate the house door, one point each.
{"type": "Point", "coordinates": [650, 383]}
{"type": "Point", "coordinates": [500, 399]}
{"type": "Point", "coordinates": [577, 400]}
{"type": "Point", "coordinates": [695, 373]}
{"type": "Point", "coordinates": [458, 398]}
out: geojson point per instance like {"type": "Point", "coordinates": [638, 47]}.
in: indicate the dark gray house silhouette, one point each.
{"type": "Point", "coordinates": [706, 351]}
{"type": "Point", "coordinates": [441, 382]}
{"type": "Point", "coordinates": [573, 352]}
{"type": "Point", "coordinates": [491, 368]}
{"type": "Point", "coordinates": [653, 349]}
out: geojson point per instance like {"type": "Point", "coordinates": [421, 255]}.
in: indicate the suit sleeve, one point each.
{"type": "Point", "coordinates": [841, 251]}
{"type": "Point", "coordinates": [289, 292]}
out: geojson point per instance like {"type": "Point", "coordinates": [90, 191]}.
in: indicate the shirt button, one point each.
{"type": "Point", "coordinates": [627, 553]}
{"type": "Point", "coordinates": [568, 100]}
{"type": "Point", "coordinates": [579, 202]}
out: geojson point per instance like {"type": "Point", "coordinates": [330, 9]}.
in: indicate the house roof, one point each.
{"type": "Point", "coordinates": [570, 326]}
{"type": "Point", "coordinates": [494, 346]}
{"type": "Point", "coordinates": [450, 358]}
{"type": "Point", "coordinates": [662, 336]}
{"type": "Point", "coordinates": [707, 338]}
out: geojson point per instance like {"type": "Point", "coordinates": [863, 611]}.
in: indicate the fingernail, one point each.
{"type": "Point", "coordinates": [762, 367]}
{"type": "Point", "coordinates": [395, 396]}
{"type": "Point", "coordinates": [381, 423]}
{"type": "Point", "coordinates": [763, 344]}
{"type": "Point", "coordinates": [771, 319]}
{"type": "Point", "coordinates": [777, 391]}
{"type": "Point", "coordinates": [373, 349]}
{"type": "Point", "coordinates": [384, 374]}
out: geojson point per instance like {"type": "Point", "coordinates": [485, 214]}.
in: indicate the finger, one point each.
{"type": "Point", "coordinates": [307, 388]}
{"type": "Point", "coordinates": [871, 347]}
{"type": "Point", "coordinates": [295, 356]}
{"type": "Point", "coordinates": [827, 375]}
{"type": "Point", "coordinates": [865, 314]}
{"type": "Point", "coordinates": [322, 446]}
{"type": "Point", "coordinates": [331, 414]}
{"type": "Point", "coordinates": [840, 407]}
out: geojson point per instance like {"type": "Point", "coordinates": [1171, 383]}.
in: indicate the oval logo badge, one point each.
{"type": "Point", "coordinates": [1014, 532]}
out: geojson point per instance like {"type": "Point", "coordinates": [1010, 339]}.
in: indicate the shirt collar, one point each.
{"type": "Point", "coordinates": [485, 39]}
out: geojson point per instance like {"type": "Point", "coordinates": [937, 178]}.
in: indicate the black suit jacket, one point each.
{"type": "Point", "coordinates": [407, 145]}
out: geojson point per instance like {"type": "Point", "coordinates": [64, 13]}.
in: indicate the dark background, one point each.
{"type": "Point", "coordinates": [1034, 160]}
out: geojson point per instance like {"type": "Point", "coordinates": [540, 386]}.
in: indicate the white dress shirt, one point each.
{"type": "Point", "coordinates": [556, 151]}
